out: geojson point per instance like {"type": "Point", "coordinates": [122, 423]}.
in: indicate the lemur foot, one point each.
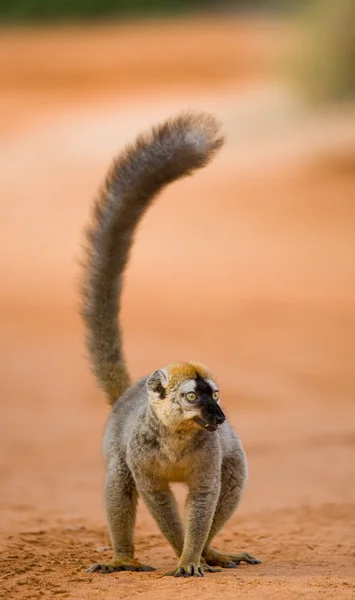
{"type": "Point", "coordinates": [119, 563]}
{"type": "Point", "coordinates": [228, 561]}
{"type": "Point", "coordinates": [192, 570]}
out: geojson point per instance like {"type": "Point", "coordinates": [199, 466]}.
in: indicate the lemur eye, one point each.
{"type": "Point", "coordinates": [215, 395]}
{"type": "Point", "coordinates": [191, 396]}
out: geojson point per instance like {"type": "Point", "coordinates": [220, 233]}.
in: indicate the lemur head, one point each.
{"type": "Point", "coordinates": [184, 395]}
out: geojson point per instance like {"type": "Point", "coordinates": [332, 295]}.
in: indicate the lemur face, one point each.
{"type": "Point", "coordinates": [185, 395]}
{"type": "Point", "coordinates": [202, 395]}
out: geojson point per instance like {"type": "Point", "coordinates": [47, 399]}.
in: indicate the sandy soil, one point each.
{"type": "Point", "coordinates": [262, 290]}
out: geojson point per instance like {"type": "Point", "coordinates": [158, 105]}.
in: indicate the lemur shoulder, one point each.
{"type": "Point", "coordinates": [168, 426]}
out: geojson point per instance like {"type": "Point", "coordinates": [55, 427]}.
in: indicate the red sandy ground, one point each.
{"type": "Point", "coordinates": [251, 273]}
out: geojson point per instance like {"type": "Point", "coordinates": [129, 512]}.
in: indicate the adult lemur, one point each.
{"type": "Point", "coordinates": [168, 426]}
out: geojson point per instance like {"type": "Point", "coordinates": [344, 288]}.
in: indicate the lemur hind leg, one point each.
{"type": "Point", "coordinates": [232, 484]}
{"type": "Point", "coordinates": [121, 504]}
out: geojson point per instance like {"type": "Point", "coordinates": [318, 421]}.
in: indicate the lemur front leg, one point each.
{"type": "Point", "coordinates": [201, 503]}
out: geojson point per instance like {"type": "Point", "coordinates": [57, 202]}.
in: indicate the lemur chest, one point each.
{"type": "Point", "coordinates": [172, 462]}
{"type": "Point", "coordinates": [171, 468]}
{"type": "Point", "coordinates": [169, 458]}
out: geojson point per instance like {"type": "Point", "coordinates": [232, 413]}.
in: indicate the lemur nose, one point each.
{"type": "Point", "coordinates": [220, 419]}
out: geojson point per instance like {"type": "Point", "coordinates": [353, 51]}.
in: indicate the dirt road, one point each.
{"type": "Point", "coordinates": [263, 292]}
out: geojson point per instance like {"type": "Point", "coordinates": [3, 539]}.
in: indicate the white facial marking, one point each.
{"type": "Point", "coordinates": [188, 386]}
{"type": "Point", "coordinates": [214, 388]}
{"type": "Point", "coordinates": [212, 384]}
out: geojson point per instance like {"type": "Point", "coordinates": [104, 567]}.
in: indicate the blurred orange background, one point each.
{"type": "Point", "coordinates": [247, 267]}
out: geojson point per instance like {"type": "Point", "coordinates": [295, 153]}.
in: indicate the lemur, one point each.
{"type": "Point", "coordinates": [169, 426]}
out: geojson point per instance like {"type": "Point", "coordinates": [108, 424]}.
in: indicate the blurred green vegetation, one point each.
{"type": "Point", "coordinates": [52, 10]}
{"type": "Point", "coordinates": [324, 68]}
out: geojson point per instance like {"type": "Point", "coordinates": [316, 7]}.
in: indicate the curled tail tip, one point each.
{"type": "Point", "coordinates": [205, 133]}
{"type": "Point", "coordinates": [198, 132]}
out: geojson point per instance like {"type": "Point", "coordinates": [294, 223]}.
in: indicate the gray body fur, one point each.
{"type": "Point", "coordinates": [166, 427]}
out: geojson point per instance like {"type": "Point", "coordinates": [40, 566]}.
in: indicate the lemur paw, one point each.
{"type": "Point", "coordinates": [208, 569]}
{"type": "Point", "coordinates": [192, 570]}
{"type": "Point", "coordinates": [245, 557]}
{"type": "Point", "coordinates": [119, 564]}
{"type": "Point", "coordinates": [229, 561]}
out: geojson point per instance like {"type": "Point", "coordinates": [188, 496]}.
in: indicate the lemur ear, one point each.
{"type": "Point", "coordinates": [157, 382]}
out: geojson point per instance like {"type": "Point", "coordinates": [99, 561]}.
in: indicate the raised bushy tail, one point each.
{"type": "Point", "coordinates": [169, 151]}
